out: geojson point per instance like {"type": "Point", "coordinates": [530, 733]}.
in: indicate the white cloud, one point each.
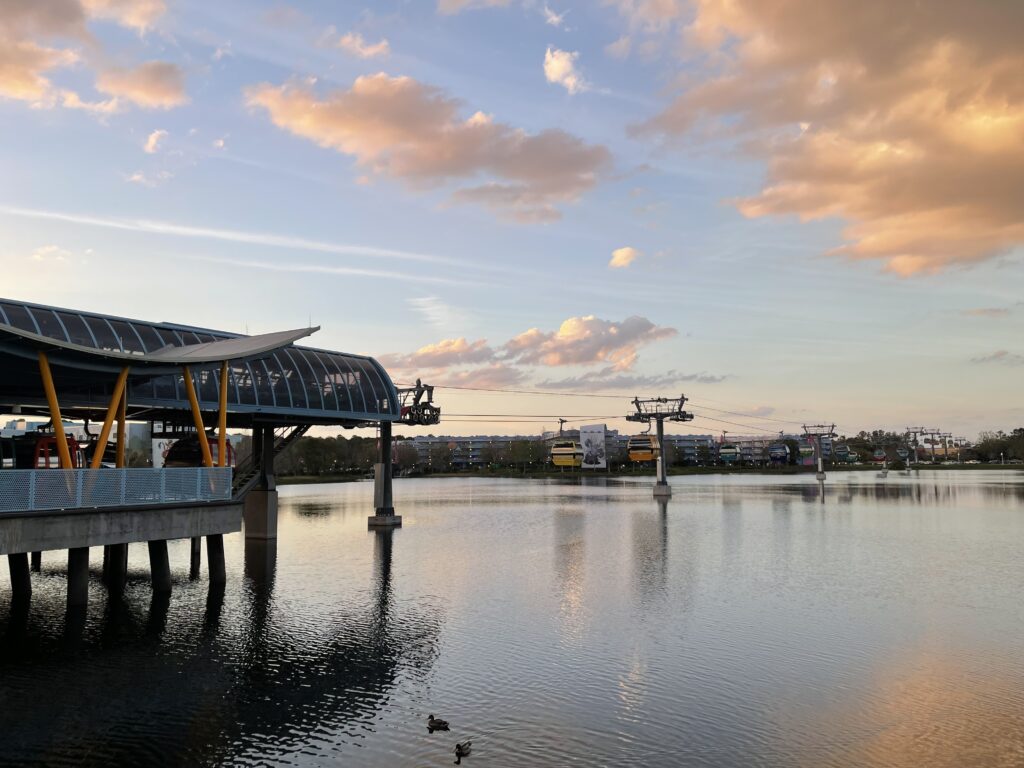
{"type": "Point", "coordinates": [439, 314]}
{"type": "Point", "coordinates": [552, 18]}
{"type": "Point", "coordinates": [353, 43]}
{"type": "Point", "coordinates": [560, 69]}
{"type": "Point", "coordinates": [50, 253]}
{"type": "Point", "coordinates": [153, 141]}
{"type": "Point", "coordinates": [220, 143]}
{"type": "Point", "coordinates": [623, 257]}
{"type": "Point", "coordinates": [152, 180]}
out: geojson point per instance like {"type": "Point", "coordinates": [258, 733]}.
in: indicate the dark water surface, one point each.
{"type": "Point", "coordinates": [749, 623]}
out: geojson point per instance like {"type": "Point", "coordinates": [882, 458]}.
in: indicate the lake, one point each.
{"type": "Point", "coordinates": [751, 621]}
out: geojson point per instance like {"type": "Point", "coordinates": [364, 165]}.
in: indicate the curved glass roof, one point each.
{"type": "Point", "coordinates": [298, 383]}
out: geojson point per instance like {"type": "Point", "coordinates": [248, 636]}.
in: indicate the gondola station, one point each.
{"type": "Point", "coordinates": [58, 492]}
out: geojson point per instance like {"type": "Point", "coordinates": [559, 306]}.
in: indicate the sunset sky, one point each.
{"type": "Point", "coordinates": [793, 210]}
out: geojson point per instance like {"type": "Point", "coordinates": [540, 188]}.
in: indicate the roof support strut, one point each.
{"type": "Point", "coordinates": [108, 420]}
{"type": "Point", "coordinates": [51, 399]}
{"type": "Point", "coordinates": [197, 417]}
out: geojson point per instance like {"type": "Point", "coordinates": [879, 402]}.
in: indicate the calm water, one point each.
{"type": "Point", "coordinates": [749, 623]}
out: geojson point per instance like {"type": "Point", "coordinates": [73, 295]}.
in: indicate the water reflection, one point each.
{"type": "Point", "coordinates": [570, 569]}
{"type": "Point", "coordinates": [197, 691]}
{"type": "Point", "coordinates": [741, 623]}
{"type": "Point", "coordinates": [650, 552]}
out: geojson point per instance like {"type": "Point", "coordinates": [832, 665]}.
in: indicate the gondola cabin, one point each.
{"type": "Point", "coordinates": [778, 454]}
{"type": "Point", "coordinates": [729, 454]}
{"type": "Point", "coordinates": [566, 453]}
{"type": "Point", "coordinates": [878, 456]}
{"type": "Point", "coordinates": [643, 448]}
{"type": "Point", "coordinates": [806, 453]}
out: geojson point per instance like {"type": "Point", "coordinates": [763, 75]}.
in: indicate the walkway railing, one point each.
{"type": "Point", "coordinates": [28, 490]}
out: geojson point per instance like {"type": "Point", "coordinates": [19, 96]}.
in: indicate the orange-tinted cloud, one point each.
{"type": "Point", "coordinates": [152, 85]}
{"type": "Point", "coordinates": [623, 257]}
{"type": "Point", "coordinates": [587, 341]}
{"type": "Point", "coordinates": [34, 42]}
{"type": "Point", "coordinates": [582, 341]}
{"type": "Point", "coordinates": [137, 14]}
{"type": "Point", "coordinates": [443, 354]}
{"type": "Point", "coordinates": [401, 128]}
{"type": "Point", "coordinates": [904, 119]}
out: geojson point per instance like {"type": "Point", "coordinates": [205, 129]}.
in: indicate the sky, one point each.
{"type": "Point", "coordinates": [792, 211]}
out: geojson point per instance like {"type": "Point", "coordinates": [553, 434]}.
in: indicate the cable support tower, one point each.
{"type": "Point", "coordinates": [659, 410]}
{"type": "Point", "coordinates": [815, 433]}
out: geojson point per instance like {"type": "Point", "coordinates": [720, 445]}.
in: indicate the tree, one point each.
{"type": "Point", "coordinates": [406, 456]}
{"type": "Point", "coordinates": [441, 456]}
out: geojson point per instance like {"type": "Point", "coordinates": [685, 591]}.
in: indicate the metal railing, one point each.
{"type": "Point", "coordinates": [28, 490]}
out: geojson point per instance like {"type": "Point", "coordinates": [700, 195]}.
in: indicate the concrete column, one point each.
{"type": "Point", "coordinates": [215, 558]}
{"type": "Point", "coordinates": [384, 516]}
{"type": "Point", "coordinates": [78, 577]}
{"type": "Point", "coordinates": [115, 566]}
{"type": "Point", "coordinates": [260, 514]}
{"type": "Point", "coordinates": [37, 561]}
{"type": "Point", "coordinates": [159, 566]}
{"type": "Point", "coordinates": [195, 560]}
{"type": "Point", "coordinates": [21, 582]}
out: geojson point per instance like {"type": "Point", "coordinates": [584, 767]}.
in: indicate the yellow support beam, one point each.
{"type": "Point", "coordinates": [222, 417]}
{"type": "Point", "coordinates": [122, 428]}
{"type": "Point", "coordinates": [197, 417]}
{"type": "Point", "coordinates": [108, 421]}
{"type": "Point", "coordinates": [51, 399]}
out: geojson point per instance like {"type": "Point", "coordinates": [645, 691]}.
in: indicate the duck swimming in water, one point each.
{"type": "Point", "coordinates": [462, 749]}
{"type": "Point", "coordinates": [436, 724]}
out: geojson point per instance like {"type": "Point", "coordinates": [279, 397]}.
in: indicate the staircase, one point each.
{"type": "Point", "coordinates": [247, 473]}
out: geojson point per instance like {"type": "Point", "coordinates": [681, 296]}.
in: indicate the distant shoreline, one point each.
{"type": "Point", "coordinates": [548, 474]}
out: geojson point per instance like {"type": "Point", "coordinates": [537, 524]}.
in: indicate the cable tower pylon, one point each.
{"type": "Point", "coordinates": [659, 410]}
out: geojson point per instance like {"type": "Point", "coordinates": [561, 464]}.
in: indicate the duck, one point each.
{"type": "Point", "coordinates": [462, 749]}
{"type": "Point", "coordinates": [436, 724]}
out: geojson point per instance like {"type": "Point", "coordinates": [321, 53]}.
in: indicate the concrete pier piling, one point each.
{"type": "Point", "coordinates": [215, 558]}
{"type": "Point", "coordinates": [159, 566]}
{"type": "Point", "coordinates": [260, 514]}
{"type": "Point", "coordinates": [115, 566]}
{"type": "Point", "coordinates": [78, 577]}
{"type": "Point", "coordinates": [196, 557]}
{"type": "Point", "coordinates": [37, 561]}
{"type": "Point", "coordinates": [384, 516]}
{"type": "Point", "coordinates": [21, 582]}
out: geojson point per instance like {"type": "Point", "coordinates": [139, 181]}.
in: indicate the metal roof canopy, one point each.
{"type": "Point", "coordinates": [270, 380]}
